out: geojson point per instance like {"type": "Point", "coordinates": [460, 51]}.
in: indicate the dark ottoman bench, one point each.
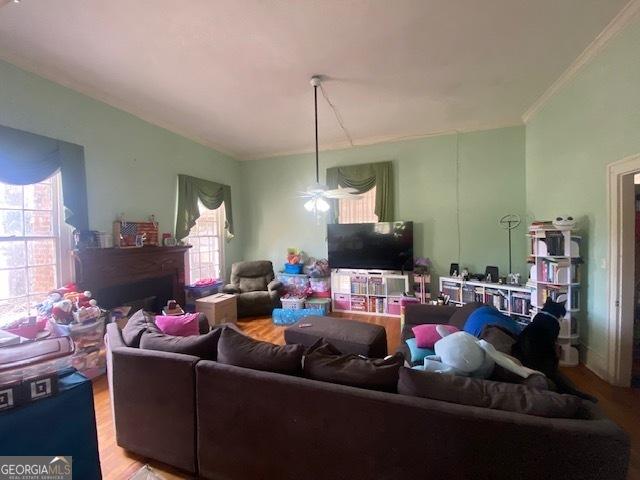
{"type": "Point", "coordinates": [348, 336]}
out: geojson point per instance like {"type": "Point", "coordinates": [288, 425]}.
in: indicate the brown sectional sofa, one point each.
{"type": "Point", "coordinates": [225, 422]}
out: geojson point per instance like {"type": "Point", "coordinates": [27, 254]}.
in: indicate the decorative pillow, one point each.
{"type": "Point", "coordinates": [235, 348]}
{"type": "Point", "coordinates": [327, 364]}
{"type": "Point", "coordinates": [179, 325]}
{"type": "Point", "coordinates": [488, 315]}
{"type": "Point", "coordinates": [138, 323]}
{"type": "Point", "coordinates": [203, 346]}
{"type": "Point", "coordinates": [501, 338]}
{"type": "Point", "coordinates": [427, 335]}
{"type": "Point", "coordinates": [487, 394]}
{"type": "Point", "coordinates": [417, 353]}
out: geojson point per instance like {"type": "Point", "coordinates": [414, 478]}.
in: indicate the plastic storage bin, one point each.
{"type": "Point", "coordinates": [292, 303]}
{"type": "Point", "coordinates": [282, 316]}
{"type": "Point", "coordinates": [295, 268]}
{"type": "Point", "coordinates": [342, 301]}
{"type": "Point", "coordinates": [295, 284]}
{"type": "Point", "coordinates": [394, 305]}
{"type": "Point", "coordinates": [320, 284]}
{"type": "Point", "coordinates": [323, 304]}
{"type": "Point", "coordinates": [194, 292]}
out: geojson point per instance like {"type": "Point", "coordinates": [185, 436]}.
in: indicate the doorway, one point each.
{"type": "Point", "coordinates": [624, 274]}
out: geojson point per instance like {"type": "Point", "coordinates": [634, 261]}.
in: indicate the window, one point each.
{"type": "Point", "coordinates": [206, 254]}
{"type": "Point", "coordinates": [358, 210]}
{"type": "Point", "coordinates": [32, 239]}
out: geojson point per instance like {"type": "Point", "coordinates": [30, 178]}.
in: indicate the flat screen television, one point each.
{"type": "Point", "coordinates": [371, 246]}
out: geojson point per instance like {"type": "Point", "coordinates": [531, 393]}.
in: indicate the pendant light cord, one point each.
{"type": "Point", "coordinates": [315, 102]}
{"type": "Point", "coordinates": [337, 115]}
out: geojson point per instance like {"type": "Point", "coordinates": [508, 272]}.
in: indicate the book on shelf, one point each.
{"type": "Point", "coordinates": [557, 271]}
{"type": "Point", "coordinates": [497, 298]}
{"type": "Point", "coordinates": [452, 290]}
{"type": "Point", "coordinates": [521, 303]}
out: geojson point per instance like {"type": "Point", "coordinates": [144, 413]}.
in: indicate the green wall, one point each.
{"type": "Point", "coordinates": [491, 184]}
{"type": "Point", "coordinates": [591, 122]}
{"type": "Point", "coordinates": [131, 165]}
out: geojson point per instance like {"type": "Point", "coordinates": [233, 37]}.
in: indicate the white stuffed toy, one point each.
{"type": "Point", "coordinates": [460, 353]}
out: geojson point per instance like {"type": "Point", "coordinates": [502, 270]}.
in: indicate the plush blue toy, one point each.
{"type": "Point", "coordinates": [460, 353]}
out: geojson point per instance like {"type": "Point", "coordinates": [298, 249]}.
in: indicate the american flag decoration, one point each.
{"type": "Point", "coordinates": [127, 233]}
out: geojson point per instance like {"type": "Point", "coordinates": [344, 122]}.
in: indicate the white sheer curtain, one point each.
{"type": "Point", "coordinates": [358, 210]}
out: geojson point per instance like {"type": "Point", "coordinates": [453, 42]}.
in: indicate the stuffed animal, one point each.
{"type": "Point", "coordinates": [566, 221]}
{"type": "Point", "coordinates": [461, 353]}
{"type": "Point", "coordinates": [45, 308]}
{"type": "Point", "coordinates": [62, 311]}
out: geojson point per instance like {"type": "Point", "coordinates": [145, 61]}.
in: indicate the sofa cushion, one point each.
{"type": "Point", "coordinates": [235, 348]}
{"type": "Point", "coordinates": [417, 354]}
{"type": "Point", "coordinates": [255, 284]}
{"type": "Point", "coordinates": [488, 315]}
{"type": "Point", "coordinates": [327, 364]}
{"type": "Point", "coordinates": [460, 316]}
{"type": "Point", "coordinates": [501, 338]}
{"type": "Point", "coordinates": [138, 323]}
{"type": "Point", "coordinates": [488, 394]}
{"type": "Point", "coordinates": [427, 335]}
{"type": "Point", "coordinates": [203, 346]}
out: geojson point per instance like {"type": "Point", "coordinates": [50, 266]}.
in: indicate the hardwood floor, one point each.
{"type": "Point", "coordinates": [620, 404]}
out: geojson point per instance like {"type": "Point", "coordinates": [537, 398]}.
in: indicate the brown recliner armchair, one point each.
{"type": "Point", "coordinates": [254, 284]}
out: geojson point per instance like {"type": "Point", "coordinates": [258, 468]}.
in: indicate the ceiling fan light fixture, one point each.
{"type": "Point", "coordinates": [317, 205]}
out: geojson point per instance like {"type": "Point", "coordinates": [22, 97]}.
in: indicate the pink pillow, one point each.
{"type": "Point", "coordinates": [427, 335]}
{"type": "Point", "coordinates": [179, 325]}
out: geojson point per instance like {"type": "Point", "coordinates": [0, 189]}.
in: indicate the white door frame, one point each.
{"type": "Point", "coordinates": [621, 273]}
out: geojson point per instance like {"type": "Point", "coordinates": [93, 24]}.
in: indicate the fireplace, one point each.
{"type": "Point", "coordinates": [117, 276]}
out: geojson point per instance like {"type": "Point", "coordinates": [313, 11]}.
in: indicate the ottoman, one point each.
{"type": "Point", "coordinates": [348, 336]}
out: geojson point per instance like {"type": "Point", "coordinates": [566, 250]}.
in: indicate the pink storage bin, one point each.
{"type": "Point", "coordinates": [394, 305]}
{"type": "Point", "coordinates": [341, 301]}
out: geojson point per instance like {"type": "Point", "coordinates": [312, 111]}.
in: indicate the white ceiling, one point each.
{"type": "Point", "coordinates": [234, 74]}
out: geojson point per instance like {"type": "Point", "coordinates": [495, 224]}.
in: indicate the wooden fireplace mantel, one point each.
{"type": "Point", "coordinates": [99, 268]}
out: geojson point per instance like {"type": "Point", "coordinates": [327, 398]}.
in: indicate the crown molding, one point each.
{"type": "Point", "coordinates": [363, 142]}
{"type": "Point", "coordinates": [618, 24]}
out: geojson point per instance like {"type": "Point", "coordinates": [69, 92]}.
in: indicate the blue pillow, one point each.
{"type": "Point", "coordinates": [417, 353]}
{"type": "Point", "coordinates": [489, 315]}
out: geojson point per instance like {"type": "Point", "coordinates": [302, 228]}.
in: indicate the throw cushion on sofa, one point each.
{"type": "Point", "coordinates": [488, 394]}
{"type": "Point", "coordinates": [326, 363]}
{"type": "Point", "coordinates": [427, 335]}
{"type": "Point", "coordinates": [235, 348]}
{"type": "Point", "coordinates": [138, 323]}
{"type": "Point", "coordinates": [203, 346]}
{"type": "Point", "coordinates": [179, 325]}
{"type": "Point", "coordinates": [417, 353]}
{"type": "Point", "coordinates": [488, 315]}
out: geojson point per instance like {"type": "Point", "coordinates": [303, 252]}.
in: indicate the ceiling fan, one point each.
{"type": "Point", "coordinates": [318, 193]}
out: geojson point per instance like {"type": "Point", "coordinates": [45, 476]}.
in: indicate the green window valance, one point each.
{"type": "Point", "coordinates": [211, 194]}
{"type": "Point", "coordinates": [363, 178]}
{"type": "Point", "coordinates": [27, 158]}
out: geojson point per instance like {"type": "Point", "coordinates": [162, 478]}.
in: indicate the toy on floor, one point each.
{"type": "Point", "coordinates": [461, 353]}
